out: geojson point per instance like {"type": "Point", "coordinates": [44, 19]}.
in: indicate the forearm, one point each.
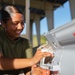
{"type": "Point", "coordinates": [10, 64]}
{"type": "Point", "coordinates": [19, 63]}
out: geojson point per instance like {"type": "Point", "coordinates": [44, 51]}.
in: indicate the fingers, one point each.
{"type": "Point", "coordinates": [34, 66]}
{"type": "Point", "coordinates": [44, 54]}
{"type": "Point", "coordinates": [36, 70]}
{"type": "Point", "coordinates": [28, 73]}
{"type": "Point", "coordinates": [40, 54]}
{"type": "Point", "coordinates": [48, 49]}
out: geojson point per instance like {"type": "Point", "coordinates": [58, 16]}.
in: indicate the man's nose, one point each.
{"type": "Point", "coordinates": [20, 26]}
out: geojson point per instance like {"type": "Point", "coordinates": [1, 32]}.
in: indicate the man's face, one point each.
{"type": "Point", "coordinates": [15, 25]}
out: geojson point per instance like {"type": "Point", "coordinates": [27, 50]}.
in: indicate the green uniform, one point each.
{"type": "Point", "coordinates": [19, 48]}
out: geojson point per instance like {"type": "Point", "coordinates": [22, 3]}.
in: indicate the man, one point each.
{"type": "Point", "coordinates": [15, 51]}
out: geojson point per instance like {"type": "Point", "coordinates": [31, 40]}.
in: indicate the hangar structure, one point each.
{"type": "Point", "coordinates": [36, 10]}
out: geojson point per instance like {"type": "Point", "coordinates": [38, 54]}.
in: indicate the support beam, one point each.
{"type": "Point", "coordinates": [37, 23]}
{"type": "Point", "coordinates": [32, 15]}
{"type": "Point", "coordinates": [49, 16]}
{"type": "Point", "coordinates": [72, 8]}
{"type": "Point", "coordinates": [28, 19]}
{"type": "Point", "coordinates": [33, 4]}
{"type": "Point", "coordinates": [31, 34]}
{"type": "Point", "coordinates": [40, 4]}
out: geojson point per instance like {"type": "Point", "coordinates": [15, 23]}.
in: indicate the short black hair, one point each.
{"type": "Point", "coordinates": [7, 11]}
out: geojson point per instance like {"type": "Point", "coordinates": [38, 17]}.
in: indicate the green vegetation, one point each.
{"type": "Point", "coordinates": [35, 43]}
{"type": "Point", "coordinates": [43, 40]}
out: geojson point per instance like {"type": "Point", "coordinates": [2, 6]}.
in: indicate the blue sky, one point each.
{"type": "Point", "coordinates": [62, 16]}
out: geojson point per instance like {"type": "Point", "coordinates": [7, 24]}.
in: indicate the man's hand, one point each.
{"type": "Point", "coordinates": [39, 71]}
{"type": "Point", "coordinates": [36, 70]}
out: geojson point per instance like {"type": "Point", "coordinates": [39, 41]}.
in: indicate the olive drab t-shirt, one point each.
{"type": "Point", "coordinates": [19, 48]}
